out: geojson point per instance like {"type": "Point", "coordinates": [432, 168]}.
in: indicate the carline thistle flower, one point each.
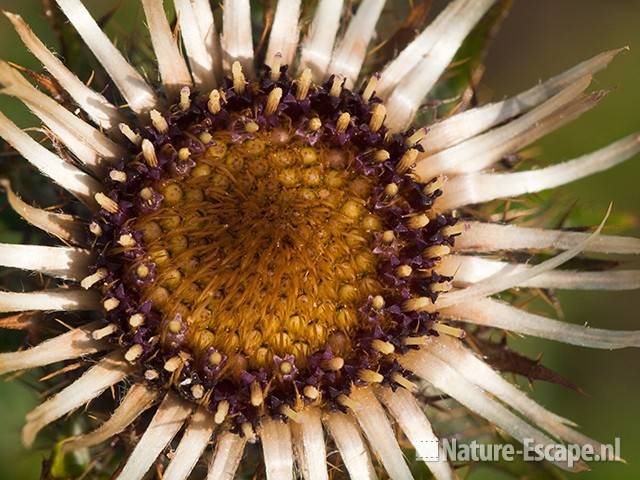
{"type": "Point", "coordinates": [277, 254]}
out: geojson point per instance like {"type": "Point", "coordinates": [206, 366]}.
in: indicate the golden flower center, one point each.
{"type": "Point", "coordinates": [263, 250]}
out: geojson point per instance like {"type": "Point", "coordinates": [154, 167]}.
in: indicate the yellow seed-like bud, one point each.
{"type": "Point", "coordinates": [106, 203]}
{"type": "Point", "coordinates": [110, 304]}
{"type": "Point", "coordinates": [146, 193]}
{"type": "Point", "coordinates": [172, 194]}
{"type": "Point", "coordinates": [118, 176]}
{"type": "Point", "coordinates": [417, 136]}
{"type": "Point", "coordinates": [173, 364]}
{"type": "Point", "coordinates": [257, 396]}
{"type": "Point", "coordinates": [94, 278]}
{"type": "Point", "coordinates": [391, 190]}
{"type": "Point", "coordinates": [175, 326]}
{"type": "Point", "coordinates": [239, 82]}
{"type": "Point", "coordinates": [434, 185]}
{"type": "Point", "coordinates": [336, 86]}
{"type": "Point", "coordinates": [104, 332]}
{"type": "Point", "coordinates": [416, 222]}
{"type": "Point", "coordinates": [441, 287]}
{"type": "Point", "coordinates": [311, 392]}
{"type": "Point", "coordinates": [275, 65]}
{"type": "Point", "coordinates": [149, 153]}
{"type": "Point", "coordinates": [132, 136]}
{"type": "Point", "coordinates": [386, 348]}
{"type": "Point", "coordinates": [251, 127]}
{"type": "Point", "coordinates": [382, 156]}
{"type": "Point", "coordinates": [159, 122]}
{"type": "Point", "coordinates": [183, 154]}
{"type": "Point", "coordinates": [127, 240]}
{"type": "Point", "coordinates": [335, 364]}
{"type": "Point", "coordinates": [403, 271]}
{"type": "Point", "coordinates": [136, 320]}
{"type": "Point", "coordinates": [370, 376]}
{"type": "Point", "coordinates": [315, 124]}
{"type": "Point", "coordinates": [286, 368]}
{"type": "Point", "coordinates": [414, 341]}
{"type": "Point", "coordinates": [343, 122]}
{"type": "Point", "coordinates": [370, 88]}
{"type": "Point", "coordinates": [304, 82]}
{"type": "Point", "coordinates": [448, 330]}
{"type": "Point", "coordinates": [377, 117]}
{"type": "Point", "coordinates": [205, 138]}
{"type": "Point", "coordinates": [215, 358]}
{"type": "Point", "coordinates": [378, 302]}
{"type": "Point", "coordinates": [402, 381]}
{"type": "Point", "coordinates": [451, 230]}
{"type": "Point", "coordinates": [407, 160]}
{"type": "Point", "coordinates": [418, 304]}
{"type": "Point", "coordinates": [388, 236]}
{"type": "Point", "coordinates": [221, 412]}
{"type": "Point", "coordinates": [273, 100]}
{"type": "Point", "coordinates": [436, 251]}
{"type": "Point", "coordinates": [197, 391]}
{"type": "Point", "coordinates": [185, 100]}
{"type": "Point", "coordinates": [95, 229]}
{"type": "Point", "coordinates": [213, 104]}
{"type": "Point", "coordinates": [133, 353]}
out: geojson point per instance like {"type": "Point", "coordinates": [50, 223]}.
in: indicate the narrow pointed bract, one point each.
{"type": "Point", "coordinates": [172, 66]}
{"type": "Point", "coordinates": [471, 269]}
{"type": "Point", "coordinates": [378, 431]}
{"type": "Point", "coordinates": [63, 226]}
{"type": "Point", "coordinates": [49, 300]}
{"type": "Point", "coordinates": [407, 97]}
{"type": "Point", "coordinates": [410, 416]}
{"type": "Point", "coordinates": [497, 284]}
{"type": "Point", "coordinates": [63, 262]}
{"type": "Point", "coordinates": [317, 47]}
{"type": "Point", "coordinates": [96, 105]}
{"type": "Point", "coordinates": [483, 187]}
{"type": "Point", "coordinates": [138, 399]}
{"type": "Point", "coordinates": [492, 237]}
{"type": "Point", "coordinates": [227, 456]}
{"type": "Point", "coordinates": [309, 445]}
{"type": "Point", "coordinates": [209, 33]}
{"type": "Point", "coordinates": [193, 442]}
{"type": "Point", "coordinates": [484, 150]}
{"type": "Point", "coordinates": [277, 449]}
{"type": "Point", "coordinates": [109, 371]}
{"type": "Point", "coordinates": [478, 372]}
{"type": "Point", "coordinates": [64, 174]}
{"type": "Point", "coordinates": [283, 40]}
{"type": "Point", "coordinates": [472, 122]}
{"type": "Point", "coordinates": [236, 41]}
{"type": "Point", "coordinates": [443, 377]}
{"type": "Point", "coordinates": [350, 51]}
{"type": "Point", "coordinates": [492, 313]}
{"type": "Point", "coordinates": [351, 446]}
{"type": "Point", "coordinates": [200, 42]}
{"type": "Point", "coordinates": [73, 344]}
{"type": "Point", "coordinates": [165, 424]}
{"type": "Point", "coordinates": [407, 59]}
{"type": "Point", "coordinates": [134, 89]}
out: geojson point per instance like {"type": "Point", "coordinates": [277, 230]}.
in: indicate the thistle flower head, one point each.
{"type": "Point", "coordinates": [279, 252]}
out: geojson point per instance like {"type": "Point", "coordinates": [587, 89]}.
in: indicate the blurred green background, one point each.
{"type": "Point", "coordinates": [539, 39]}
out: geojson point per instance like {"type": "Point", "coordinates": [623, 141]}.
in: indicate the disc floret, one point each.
{"type": "Point", "coordinates": [259, 246]}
